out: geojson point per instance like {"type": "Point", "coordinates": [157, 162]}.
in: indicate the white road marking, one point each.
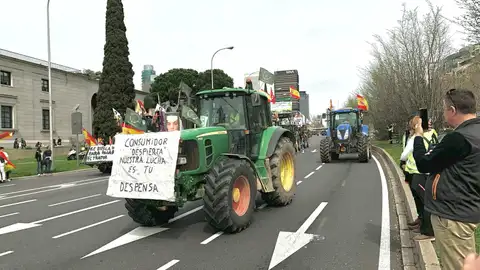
{"type": "Point", "coordinates": [17, 203]}
{"type": "Point", "coordinates": [66, 185]}
{"type": "Point", "coordinates": [23, 226]}
{"type": "Point", "coordinates": [314, 150]}
{"type": "Point", "coordinates": [299, 182]}
{"type": "Point", "coordinates": [289, 243]}
{"type": "Point", "coordinates": [344, 182]}
{"type": "Point", "coordinates": [262, 206]}
{"type": "Point", "coordinates": [87, 227]}
{"type": "Point", "coordinates": [384, 254]}
{"type": "Point", "coordinates": [319, 167]}
{"type": "Point", "coordinates": [168, 265]}
{"type": "Point", "coordinates": [211, 238]}
{"type": "Point", "coordinates": [185, 214]}
{"type": "Point", "coordinates": [9, 185]}
{"type": "Point", "coordinates": [54, 186]}
{"type": "Point", "coordinates": [138, 233]}
{"type": "Point", "coordinates": [75, 212]}
{"type": "Point", "coordinates": [11, 214]}
{"type": "Point", "coordinates": [57, 187]}
{"type": "Point", "coordinates": [134, 235]}
{"type": "Point", "coordinates": [6, 253]}
{"type": "Point", "coordinates": [74, 200]}
{"type": "Point", "coordinates": [308, 175]}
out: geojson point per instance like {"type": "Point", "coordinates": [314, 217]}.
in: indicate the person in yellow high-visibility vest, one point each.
{"type": "Point", "coordinates": [235, 118]}
{"type": "Point", "coordinates": [431, 134]}
{"type": "Point", "coordinates": [417, 182]}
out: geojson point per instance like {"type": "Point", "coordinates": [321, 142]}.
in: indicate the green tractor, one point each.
{"type": "Point", "coordinates": [235, 153]}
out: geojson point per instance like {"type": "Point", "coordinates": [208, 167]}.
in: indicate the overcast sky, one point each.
{"type": "Point", "coordinates": [326, 41]}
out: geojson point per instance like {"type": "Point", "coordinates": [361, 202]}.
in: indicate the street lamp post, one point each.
{"type": "Point", "coordinates": [211, 62]}
{"type": "Point", "coordinates": [50, 120]}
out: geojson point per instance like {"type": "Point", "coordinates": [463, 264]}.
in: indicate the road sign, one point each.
{"type": "Point", "coordinates": [77, 123]}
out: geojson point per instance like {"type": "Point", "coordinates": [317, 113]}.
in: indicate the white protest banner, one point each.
{"type": "Point", "coordinates": [100, 153]}
{"type": "Point", "coordinates": [144, 166]}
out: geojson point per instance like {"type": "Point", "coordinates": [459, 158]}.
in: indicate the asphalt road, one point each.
{"type": "Point", "coordinates": [67, 222]}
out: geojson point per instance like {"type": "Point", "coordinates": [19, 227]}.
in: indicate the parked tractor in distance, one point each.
{"type": "Point", "coordinates": [345, 133]}
{"type": "Point", "coordinates": [235, 153]}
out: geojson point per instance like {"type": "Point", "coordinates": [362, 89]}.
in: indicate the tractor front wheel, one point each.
{"type": "Point", "coordinates": [363, 149]}
{"type": "Point", "coordinates": [325, 150]}
{"type": "Point", "coordinates": [230, 191]}
{"type": "Point", "coordinates": [149, 215]}
{"type": "Point", "coordinates": [282, 166]}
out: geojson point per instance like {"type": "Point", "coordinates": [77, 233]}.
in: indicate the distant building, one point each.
{"type": "Point", "coordinates": [24, 99]}
{"type": "Point", "coordinates": [148, 76]}
{"type": "Point", "coordinates": [304, 104]}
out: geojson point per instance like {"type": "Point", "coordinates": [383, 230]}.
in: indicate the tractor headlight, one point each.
{"type": "Point", "coordinates": [346, 135]}
{"type": "Point", "coordinates": [181, 161]}
{"type": "Point", "coordinates": [339, 134]}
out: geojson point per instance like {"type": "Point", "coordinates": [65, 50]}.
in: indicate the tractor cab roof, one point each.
{"type": "Point", "coordinates": [346, 110]}
{"type": "Point", "coordinates": [227, 90]}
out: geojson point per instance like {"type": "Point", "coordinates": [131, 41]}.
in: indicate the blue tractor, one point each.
{"type": "Point", "coordinates": [345, 133]}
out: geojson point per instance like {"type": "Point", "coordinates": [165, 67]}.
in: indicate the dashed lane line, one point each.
{"type": "Point", "coordinates": [9, 215]}
{"type": "Point", "coordinates": [9, 185]}
{"type": "Point", "coordinates": [87, 227]}
{"type": "Point", "coordinates": [211, 238]}
{"type": "Point", "coordinates": [299, 182]}
{"type": "Point", "coordinates": [75, 200]}
{"type": "Point", "coordinates": [57, 187]}
{"type": "Point", "coordinates": [168, 265]}
{"type": "Point", "coordinates": [308, 175]}
{"type": "Point", "coordinates": [6, 253]}
{"type": "Point", "coordinates": [319, 167]}
{"type": "Point", "coordinates": [17, 203]}
{"type": "Point", "coordinates": [74, 212]}
{"type": "Point", "coordinates": [54, 186]}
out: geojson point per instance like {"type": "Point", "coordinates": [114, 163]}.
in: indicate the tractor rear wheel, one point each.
{"type": "Point", "coordinates": [325, 150]}
{"type": "Point", "coordinates": [148, 215]}
{"type": "Point", "coordinates": [363, 149]}
{"type": "Point", "coordinates": [230, 192]}
{"type": "Point", "coordinates": [282, 166]}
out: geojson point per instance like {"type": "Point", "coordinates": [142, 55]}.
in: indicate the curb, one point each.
{"type": "Point", "coordinates": [406, 211]}
{"type": "Point", "coordinates": [55, 174]}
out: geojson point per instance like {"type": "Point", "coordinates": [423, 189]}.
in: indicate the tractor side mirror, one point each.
{"type": "Point", "coordinates": [256, 100]}
{"type": "Point", "coordinates": [324, 115]}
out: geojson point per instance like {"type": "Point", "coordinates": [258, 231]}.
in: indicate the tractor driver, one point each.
{"type": "Point", "coordinates": [235, 118]}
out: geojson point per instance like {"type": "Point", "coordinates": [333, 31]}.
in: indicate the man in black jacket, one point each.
{"type": "Point", "coordinates": [453, 187]}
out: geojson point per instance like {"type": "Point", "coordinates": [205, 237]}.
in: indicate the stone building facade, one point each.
{"type": "Point", "coordinates": [24, 98]}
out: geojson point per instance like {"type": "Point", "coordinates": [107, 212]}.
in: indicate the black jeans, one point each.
{"type": "Point", "coordinates": [416, 198]}
{"type": "Point", "coordinates": [418, 184]}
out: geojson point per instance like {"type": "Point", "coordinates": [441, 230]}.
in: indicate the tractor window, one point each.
{"type": "Point", "coordinates": [222, 111]}
{"type": "Point", "coordinates": [341, 118]}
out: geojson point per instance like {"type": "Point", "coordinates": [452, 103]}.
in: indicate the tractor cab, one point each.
{"type": "Point", "coordinates": [344, 122]}
{"type": "Point", "coordinates": [244, 114]}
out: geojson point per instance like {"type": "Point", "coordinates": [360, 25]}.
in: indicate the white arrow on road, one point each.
{"type": "Point", "coordinates": [289, 243]}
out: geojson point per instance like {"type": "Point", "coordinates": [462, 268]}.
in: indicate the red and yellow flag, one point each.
{"type": "Point", "coordinates": [89, 139]}
{"type": "Point", "coordinates": [128, 129]}
{"type": "Point", "coordinates": [294, 92]}
{"type": "Point", "coordinates": [6, 134]}
{"type": "Point", "coordinates": [9, 165]}
{"type": "Point", "coordinates": [140, 108]}
{"type": "Point", "coordinates": [362, 103]}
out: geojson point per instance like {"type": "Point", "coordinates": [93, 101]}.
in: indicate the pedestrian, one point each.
{"type": "Point", "coordinates": [47, 159]}
{"type": "Point", "coordinates": [453, 187]}
{"type": "Point", "coordinates": [39, 159]}
{"type": "Point", "coordinates": [5, 170]}
{"type": "Point", "coordinates": [417, 182]}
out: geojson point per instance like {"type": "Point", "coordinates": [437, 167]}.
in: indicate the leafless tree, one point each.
{"type": "Point", "coordinates": [470, 19]}
{"type": "Point", "coordinates": [405, 73]}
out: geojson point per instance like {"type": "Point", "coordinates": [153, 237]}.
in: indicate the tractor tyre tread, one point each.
{"type": "Point", "coordinates": [325, 155]}
{"type": "Point", "coordinates": [280, 197]}
{"type": "Point", "coordinates": [363, 144]}
{"type": "Point", "coordinates": [148, 215]}
{"type": "Point", "coordinates": [218, 195]}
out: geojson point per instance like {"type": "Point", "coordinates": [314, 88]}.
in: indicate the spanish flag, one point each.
{"type": "Point", "coordinates": [362, 103]}
{"type": "Point", "coordinates": [89, 139]}
{"type": "Point", "coordinates": [294, 93]}
{"type": "Point", "coordinates": [128, 129]}
{"type": "Point", "coordinates": [140, 108]}
{"type": "Point", "coordinates": [6, 135]}
{"type": "Point", "coordinates": [9, 165]}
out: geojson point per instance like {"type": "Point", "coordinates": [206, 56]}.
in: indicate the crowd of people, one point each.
{"type": "Point", "coordinates": [444, 177]}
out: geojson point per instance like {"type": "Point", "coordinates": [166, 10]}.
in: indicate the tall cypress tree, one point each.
{"type": "Point", "coordinates": [116, 82]}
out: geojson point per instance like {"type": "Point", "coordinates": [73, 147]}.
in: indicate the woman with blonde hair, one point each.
{"type": "Point", "coordinates": [417, 182]}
